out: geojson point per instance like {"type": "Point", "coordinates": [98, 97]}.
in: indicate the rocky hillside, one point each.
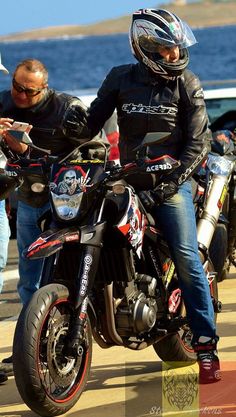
{"type": "Point", "coordinates": [196, 15]}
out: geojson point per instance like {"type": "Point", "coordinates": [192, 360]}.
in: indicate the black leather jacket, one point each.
{"type": "Point", "coordinates": [47, 132]}
{"type": "Point", "coordinates": [147, 103]}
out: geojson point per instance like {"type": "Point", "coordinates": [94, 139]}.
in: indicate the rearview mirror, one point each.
{"type": "Point", "coordinates": [20, 136]}
{"type": "Point", "coordinates": [24, 138]}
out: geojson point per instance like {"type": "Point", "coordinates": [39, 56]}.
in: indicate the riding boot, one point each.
{"type": "Point", "coordinates": [208, 361]}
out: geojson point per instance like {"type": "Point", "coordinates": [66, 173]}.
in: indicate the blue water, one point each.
{"type": "Point", "coordinates": [82, 63]}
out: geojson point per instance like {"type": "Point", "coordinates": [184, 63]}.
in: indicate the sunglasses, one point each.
{"type": "Point", "coordinates": [30, 92]}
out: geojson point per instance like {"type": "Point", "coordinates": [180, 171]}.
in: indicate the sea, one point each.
{"type": "Point", "coordinates": [79, 65]}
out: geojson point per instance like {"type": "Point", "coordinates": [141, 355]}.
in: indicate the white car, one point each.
{"type": "Point", "coordinates": [221, 103]}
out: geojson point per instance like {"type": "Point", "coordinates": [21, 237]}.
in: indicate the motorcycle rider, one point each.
{"type": "Point", "coordinates": [159, 94]}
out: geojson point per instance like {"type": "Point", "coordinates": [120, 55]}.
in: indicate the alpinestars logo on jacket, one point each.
{"type": "Point", "coordinates": [141, 108]}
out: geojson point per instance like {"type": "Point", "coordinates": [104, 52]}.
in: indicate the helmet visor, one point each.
{"type": "Point", "coordinates": [179, 35]}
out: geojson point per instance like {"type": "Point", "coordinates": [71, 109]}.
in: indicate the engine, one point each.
{"type": "Point", "coordinates": [137, 310]}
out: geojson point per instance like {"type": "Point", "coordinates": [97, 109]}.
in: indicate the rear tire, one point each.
{"type": "Point", "coordinates": [176, 349]}
{"type": "Point", "coordinates": [48, 382]}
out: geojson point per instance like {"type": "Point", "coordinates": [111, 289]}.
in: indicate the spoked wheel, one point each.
{"type": "Point", "coordinates": [48, 381]}
{"type": "Point", "coordinates": [176, 348]}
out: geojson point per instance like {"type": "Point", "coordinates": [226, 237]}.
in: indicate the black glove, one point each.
{"type": "Point", "coordinates": [147, 199]}
{"type": "Point", "coordinates": [75, 120]}
{"type": "Point", "coordinates": [162, 192]}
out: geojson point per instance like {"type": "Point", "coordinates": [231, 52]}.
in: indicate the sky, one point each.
{"type": "Point", "coordinates": [23, 15]}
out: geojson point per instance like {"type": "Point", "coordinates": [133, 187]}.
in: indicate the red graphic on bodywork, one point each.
{"type": "Point", "coordinates": [43, 246]}
{"type": "Point", "coordinates": [37, 242]}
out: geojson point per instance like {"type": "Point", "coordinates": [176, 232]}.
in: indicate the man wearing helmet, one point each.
{"type": "Point", "coordinates": [158, 94]}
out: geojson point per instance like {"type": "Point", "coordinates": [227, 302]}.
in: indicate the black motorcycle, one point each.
{"type": "Point", "coordinates": [107, 274]}
{"type": "Point", "coordinates": [218, 179]}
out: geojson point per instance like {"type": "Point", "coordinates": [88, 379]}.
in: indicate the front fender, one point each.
{"type": "Point", "coordinates": [50, 242]}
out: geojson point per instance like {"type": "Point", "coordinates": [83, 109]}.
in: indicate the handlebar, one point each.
{"type": "Point", "coordinates": [23, 165]}
{"type": "Point", "coordinates": [158, 166]}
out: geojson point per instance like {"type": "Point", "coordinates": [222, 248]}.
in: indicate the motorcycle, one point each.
{"type": "Point", "coordinates": [107, 274]}
{"type": "Point", "coordinates": [219, 175]}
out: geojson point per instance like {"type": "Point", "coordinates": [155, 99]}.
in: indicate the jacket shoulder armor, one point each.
{"type": "Point", "coordinates": [188, 76]}
{"type": "Point", "coordinates": [65, 97]}
{"type": "Point", "coordinates": [190, 86]}
{"type": "Point", "coordinates": [69, 100]}
{"type": "Point", "coordinates": [120, 71]}
{"type": "Point", "coordinates": [123, 69]}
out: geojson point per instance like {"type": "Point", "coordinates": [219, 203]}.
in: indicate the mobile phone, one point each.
{"type": "Point", "coordinates": [19, 126]}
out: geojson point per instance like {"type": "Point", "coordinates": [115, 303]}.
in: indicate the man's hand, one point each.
{"type": "Point", "coordinates": [161, 193]}
{"type": "Point", "coordinates": [164, 191]}
{"type": "Point", "coordinates": [147, 199]}
{"type": "Point", "coordinates": [5, 122]}
{"type": "Point", "coordinates": [14, 145]}
{"type": "Point", "coordinates": [75, 120]}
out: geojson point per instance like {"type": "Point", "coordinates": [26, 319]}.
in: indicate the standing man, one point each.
{"type": "Point", "coordinates": [159, 94]}
{"type": "Point", "coordinates": [49, 112]}
{"type": "Point", "coordinates": [4, 224]}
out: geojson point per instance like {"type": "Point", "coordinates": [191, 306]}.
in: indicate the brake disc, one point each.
{"type": "Point", "coordinates": [62, 370]}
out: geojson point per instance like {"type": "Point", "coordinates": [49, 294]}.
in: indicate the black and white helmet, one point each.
{"type": "Point", "coordinates": [151, 28]}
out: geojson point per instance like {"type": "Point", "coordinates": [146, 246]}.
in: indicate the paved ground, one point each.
{"type": "Point", "coordinates": [125, 383]}
{"type": "Point", "coordinates": [9, 300]}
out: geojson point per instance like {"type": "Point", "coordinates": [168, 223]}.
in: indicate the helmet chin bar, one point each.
{"type": "Point", "coordinates": [165, 69]}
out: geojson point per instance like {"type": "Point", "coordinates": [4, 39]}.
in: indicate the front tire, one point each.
{"type": "Point", "coordinates": [176, 349]}
{"type": "Point", "coordinates": [48, 382]}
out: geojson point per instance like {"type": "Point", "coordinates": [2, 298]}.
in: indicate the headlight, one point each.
{"type": "Point", "coordinates": [118, 188]}
{"type": "Point", "coordinates": [67, 207]}
{"type": "Point", "coordinates": [37, 187]}
{"type": "Point", "coordinates": [219, 165]}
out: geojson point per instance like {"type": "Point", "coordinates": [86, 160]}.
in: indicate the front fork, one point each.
{"type": "Point", "coordinates": [91, 239]}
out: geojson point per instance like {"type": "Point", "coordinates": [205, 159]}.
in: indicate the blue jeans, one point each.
{"type": "Point", "coordinates": [27, 232]}
{"type": "Point", "coordinates": [4, 239]}
{"type": "Point", "coordinates": [176, 217]}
